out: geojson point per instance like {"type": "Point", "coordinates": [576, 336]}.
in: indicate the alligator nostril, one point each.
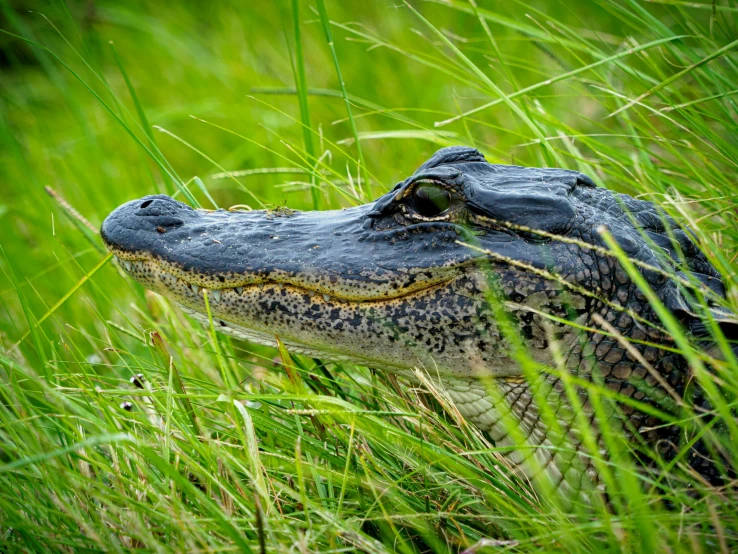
{"type": "Point", "coordinates": [146, 203]}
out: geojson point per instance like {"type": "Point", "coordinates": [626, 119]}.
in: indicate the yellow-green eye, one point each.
{"type": "Point", "coordinates": [431, 200]}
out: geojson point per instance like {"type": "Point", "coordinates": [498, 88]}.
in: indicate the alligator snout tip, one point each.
{"type": "Point", "coordinates": [133, 225]}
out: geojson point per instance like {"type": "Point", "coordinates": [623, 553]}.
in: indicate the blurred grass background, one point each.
{"type": "Point", "coordinates": [96, 100]}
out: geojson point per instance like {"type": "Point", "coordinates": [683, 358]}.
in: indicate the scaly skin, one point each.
{"type": "Point", "coordinates": [401, 284]}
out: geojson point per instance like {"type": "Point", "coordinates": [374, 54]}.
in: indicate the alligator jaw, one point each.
{"type": "Point", "coordinates": [359, 284]}
{"type": "Point", "coordinates": [402, 297]}
{"type": "Point", "coordinates": [365, 331]}
{"type": "Point", "coordinates": [332, 253]}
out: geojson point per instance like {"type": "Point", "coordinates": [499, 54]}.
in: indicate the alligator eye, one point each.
{"type": "Point", "coordinates": [430, 200]}
{"type": "Point", "coordinates": [532, 236]}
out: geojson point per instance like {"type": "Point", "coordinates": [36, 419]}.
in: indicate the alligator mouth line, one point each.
{"type": "Point", "coordinates": [173, 277]}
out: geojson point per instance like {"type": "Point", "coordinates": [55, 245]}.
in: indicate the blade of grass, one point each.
{"type": "Point", "coordinates": [67, 296]}
{"type": "Point", "coordinates": [326, 24]}
{"type": "Point", "coordinates": [666, 82]}
{"type": "Point", "coordinates": [298, 70]}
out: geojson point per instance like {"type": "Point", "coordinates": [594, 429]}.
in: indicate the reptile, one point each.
{"type": "Point", "coordinates": [473, 273]}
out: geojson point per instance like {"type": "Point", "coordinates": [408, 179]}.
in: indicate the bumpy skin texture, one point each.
{"type": "Point", "coordinates": [392, 286]}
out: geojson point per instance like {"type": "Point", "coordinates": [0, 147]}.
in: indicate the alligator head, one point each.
{"type": "Point", "coordinates": [404, 283]}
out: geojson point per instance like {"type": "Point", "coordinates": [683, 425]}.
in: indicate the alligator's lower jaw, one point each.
{"type": "Point", "coordinates": [447, 328]}
{"type": "Point", "coordinates": [377, 333]}
{"type": "Point", "coordinates": [263, 338]}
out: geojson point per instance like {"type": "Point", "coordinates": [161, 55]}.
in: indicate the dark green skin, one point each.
{"type": "Point", "coordinates": [385, 286]}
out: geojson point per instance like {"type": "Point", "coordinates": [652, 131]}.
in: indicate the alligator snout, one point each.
{"type": "Point", "coordinates": [135, 225]}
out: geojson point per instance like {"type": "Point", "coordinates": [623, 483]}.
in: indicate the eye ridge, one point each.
{"type": "Point", "coordinates": [431, 200]}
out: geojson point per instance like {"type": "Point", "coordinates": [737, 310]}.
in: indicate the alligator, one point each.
{"type": "Point", "coordinates": [494, 280]}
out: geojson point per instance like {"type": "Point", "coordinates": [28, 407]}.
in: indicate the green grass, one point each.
{"type": "Point", "coordinates": [230, 446]}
